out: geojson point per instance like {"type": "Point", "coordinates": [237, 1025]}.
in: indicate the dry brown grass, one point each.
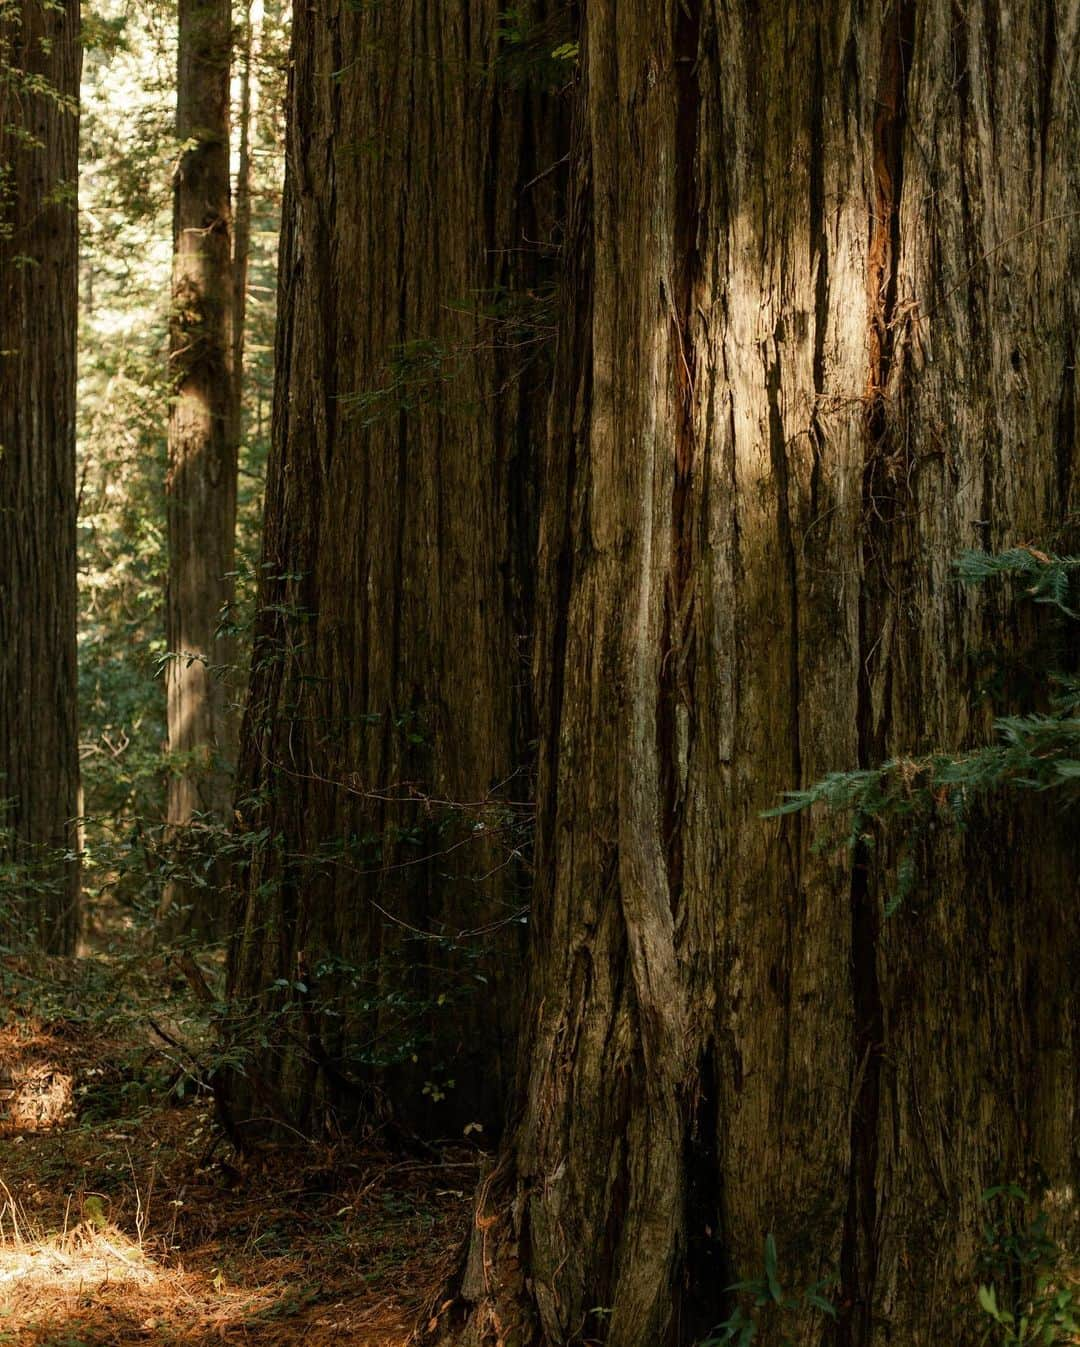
{"type": "Point", "coordinates": [94, 1284]}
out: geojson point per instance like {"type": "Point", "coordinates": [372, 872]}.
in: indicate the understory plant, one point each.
{"type": "Point", "coordinates": [1026, 1293]}
{"type": "Point", "coordinates": [1034, 750]}
{"type": "Point", "coordinates": [764, 1298]}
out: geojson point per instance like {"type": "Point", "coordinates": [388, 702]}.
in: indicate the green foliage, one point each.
{"type": "Point", "coordinates": [415, 375]}
{"type": "Point", "coordinates": [33, 879]}
{"type": "Point", "coordinates": [1025, 1293]}
{"type": "Point", "coordinates": [536, 51]}
{"type": "Point", "coordinates": [422, 373]}
{"type": "Point", "coordinates": [125, 260]}
{"type": "Point", "coordinates": [103, 33]}
{"type": "Point", "coordinates": [21, 87]}
{"type": "Point", "coordinates": [1044, 578]}
{"type": "Point", "coordinates": [128, 153]}
{"type": "Point", "coordinates": [1035, 750]}
{"type": "Point", "coordinates": [763, 1296]}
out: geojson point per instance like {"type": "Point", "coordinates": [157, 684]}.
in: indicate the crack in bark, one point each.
{"type": "Point", "coordinates": [859, 1245]}
{"type": "Point", "coordinates": [708, 1267]}
{"type": "Point", "coordinates": [675, 693]}
{"type": "Point", "coordinates": [819, 254]}
{"type": "Point", "coordinates": [888, 162]}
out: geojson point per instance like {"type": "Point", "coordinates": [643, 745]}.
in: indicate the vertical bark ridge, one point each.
{"type": "Point", "coordinates": [674, 719]}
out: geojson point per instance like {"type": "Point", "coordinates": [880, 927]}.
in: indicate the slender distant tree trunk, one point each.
{"type": "Point", "coordinates": [40, 62]}
{"type": "Point", "coordinates": [241, 239]}
{"type": "Point", "coordinates": [819, 337]}
{"type": "Point", "coordinates": [201, 481]}
{"type": "Point", "coordinates": [386, 739]}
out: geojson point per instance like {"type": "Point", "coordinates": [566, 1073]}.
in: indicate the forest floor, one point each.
{"type": "Point", "coordinates": [126, 1218]}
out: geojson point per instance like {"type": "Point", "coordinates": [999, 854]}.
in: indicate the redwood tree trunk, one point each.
{"type": "Point", "coordinates": [819, 337]}
{"type": "Point", "coordinates": [241, 239]}
{"type": "Point", "coordinates": [386, 738]}
{"type": "Point", "coordinates": [40, 62]}
{"type": "Point", "coordinates": [201, 481]}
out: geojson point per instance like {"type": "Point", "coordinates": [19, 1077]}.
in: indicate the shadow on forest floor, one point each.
{"type": "Point", "coordinates": [117, 1225]}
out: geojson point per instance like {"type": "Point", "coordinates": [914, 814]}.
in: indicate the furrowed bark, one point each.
{"type": "Point", "coordinates": [386, 741]}
{"type": "Point", "coordinates": [40, 63]}
{"type": "Point", "coordinates": [201, 482]}
{"type": "Point", "coordinates": [816, 340]}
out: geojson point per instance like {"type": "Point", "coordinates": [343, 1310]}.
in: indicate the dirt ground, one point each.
{"type": "Point", "coordinates": [125, 1218]}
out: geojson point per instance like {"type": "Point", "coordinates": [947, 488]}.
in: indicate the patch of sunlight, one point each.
{"type": "Point", "coordinates": [91, 1277]}
{"type": "Point", "coordinates": [39, 1270]}
{"type": "Point", "coordinates": [1062, 1198]}
{"type": "Point", "coordinates": [84, 1257]}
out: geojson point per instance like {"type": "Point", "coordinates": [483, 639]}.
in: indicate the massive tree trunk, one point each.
{"type": "Point", "coordinates": [385, 745]}
{"type": "Point", "coordinates": [40, 62]}
{"type": "Point", "coordinates": [201, 482]}
{"type": "Point", "coordinates": [819, 337]}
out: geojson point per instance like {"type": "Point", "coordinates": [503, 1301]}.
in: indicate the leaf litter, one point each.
{"type": "Point", "coordinates": [124, 1219]}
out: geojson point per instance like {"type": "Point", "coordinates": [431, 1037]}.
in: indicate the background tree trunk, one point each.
{"type": "Point", "coordinates": [819, 337]}
{"type": "Point", "coordinates": [241, 236]}
{"type": "Point", "coordinates": [40, 61]}
{"type": "Point", "coordinates": [201, 482]}
{"type": "Point", "coordinates": [386, 742]}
